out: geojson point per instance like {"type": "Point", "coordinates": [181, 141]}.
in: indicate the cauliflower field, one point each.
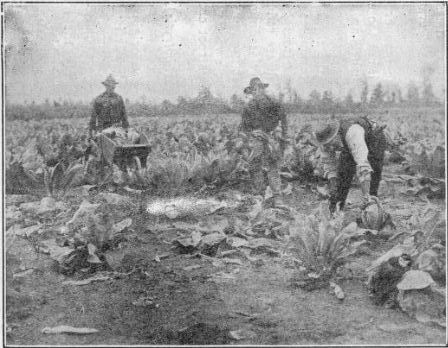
{"type": "Point", "coordinates": [189, 252]}
{"type": "Point", "coordinates": [184, 149]}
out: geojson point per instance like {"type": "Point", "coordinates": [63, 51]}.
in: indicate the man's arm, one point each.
{"type": "Point", "coordinates": [284, 122]}
{"type": "Point", "coordinates": [245, 120]}
{"type": "Point", "coordinates": [124, 117]}
{"type": "Point", "coordinates": [358, 148]}
{"type": "Point", "coordinates": [93, 117]}
{"type": "Point", "coordinates": [284, 125]}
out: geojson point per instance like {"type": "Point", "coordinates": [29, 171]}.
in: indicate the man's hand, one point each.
{"type": "Point", "coordinates": [366, 201]}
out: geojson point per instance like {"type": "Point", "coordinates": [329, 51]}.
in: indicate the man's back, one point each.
{"type": "Point", "coordinates": [107, 100]}
{"type": "Point", "coordinates": [108, 109]}
{"type": "Point", "coordinates": [262, 113]}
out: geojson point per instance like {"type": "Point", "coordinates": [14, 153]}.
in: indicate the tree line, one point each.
{"type": "Point", "coordinates": [377, 98]}
{"type": "Point", "coordinates": [206, 103]}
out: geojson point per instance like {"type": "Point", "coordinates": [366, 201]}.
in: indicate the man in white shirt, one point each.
{"type": "Point", "coordinates": [362, 145]}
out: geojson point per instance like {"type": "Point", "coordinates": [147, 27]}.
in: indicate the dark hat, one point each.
{"type": "Point", "coordinates": [110, 81]}
{"type": "Point", "coordinates": [253, 83]}
{"type": "Point", "coordinates": [326, 133]}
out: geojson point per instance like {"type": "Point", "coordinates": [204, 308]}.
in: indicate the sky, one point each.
{"type": "Point", "coordinates": [162, 51]}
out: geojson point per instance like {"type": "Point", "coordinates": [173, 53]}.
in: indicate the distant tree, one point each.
{"type": "Point", "coordinates": [297, 103]}
{"type": "Point", "coordinates": [142, 99]}
{"type": "Point", "coordinates": [296, 100]}
{"type": "Point", "coordinates": [182, 106]}
{"type": "Point", "coordinates": [348, 102]}
{"type": "Point", "coordinates": [289, 91]}
{"type": "Point", "coordinates": [399, 96]}
{"type": "Point", "coordinates": [314, 102]}
{"type": "Point", "coordinates": [236, 103]}
{"type": "Point", "coordinates": [387, 98]}
{"type": "Point", "coordinates": [281, 97]}
{"type": "Point", "coordinates": [336, 107]}
{"type": "Point", "coordinates": [428, 97]}
{"type": "Point", "coordinates": [364, 92]}
{"type": "Point", "coordinates": [204, 101]}
{"type": "Point", "coordinates": [393, 98]}
{"type": "Point", "coordinates": [327, 102]}
{"type": "Point", "coordinates": [314, 97]}
{"type": "Point", "coordinates": [205, 96]}
{"type": "Point", "coordinates": [327, 96]}
{"type": "Point", "coordinates": [413, 96]}
{"type": "Point", "coordinates": [377, 98]}
{"type": "Point", "coordinates": [166, 107]}
{"type": "Point", "coordinates": [181, 101]}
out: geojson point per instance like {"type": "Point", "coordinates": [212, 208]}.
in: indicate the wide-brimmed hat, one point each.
{"type": "Point", "coordinates": [326, 133]}
{"type": "Point", "coordinates": [109, 81]}
{"type": "Point", "coordinates": [254, 82]}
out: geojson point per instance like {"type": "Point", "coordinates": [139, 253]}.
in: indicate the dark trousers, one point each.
{"type": "Point", "coordinates": [346, 171]}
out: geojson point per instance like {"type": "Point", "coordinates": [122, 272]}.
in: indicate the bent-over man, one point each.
{"type": "Point", "coordinates": [362, 145]}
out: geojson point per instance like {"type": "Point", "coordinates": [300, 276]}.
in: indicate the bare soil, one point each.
{"type": "Point", "coordinates": [194, 306]}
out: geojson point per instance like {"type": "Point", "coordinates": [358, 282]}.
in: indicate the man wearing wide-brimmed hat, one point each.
{"type": "Point", "coordinates": [362, 145]}
{"type": "Point", "coordinates": [108, 108]}
{"type": "Point", "coordinates": [264, 121]}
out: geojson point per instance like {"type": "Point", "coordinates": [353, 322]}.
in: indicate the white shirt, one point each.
{"type": "Point", "coordinates": [358, 148]}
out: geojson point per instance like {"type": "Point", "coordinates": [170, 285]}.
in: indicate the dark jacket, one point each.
{"type": "Point", "coordinates": [108, 109]}
{"type": "Point", "coordinates": [264, 114]}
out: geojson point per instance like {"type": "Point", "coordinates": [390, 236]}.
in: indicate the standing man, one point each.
{"type": "Point", "coordinates": [108, 109]}
{"type": "Point", "coordinates": [261, 118]}
{"type": "Point", "coordinates": [362, 144]}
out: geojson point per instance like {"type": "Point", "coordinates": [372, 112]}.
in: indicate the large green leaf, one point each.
{"type": "Point", "coordinates": [72, 174]}
{"type": "Point", "coordinates": [56, 177]}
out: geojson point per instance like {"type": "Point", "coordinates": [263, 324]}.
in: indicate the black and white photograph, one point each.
{"type": "Point", "coordinates": [223, 173]}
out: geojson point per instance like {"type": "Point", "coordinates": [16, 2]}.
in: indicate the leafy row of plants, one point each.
{"type": "Point", "coordinates": [193, 151]}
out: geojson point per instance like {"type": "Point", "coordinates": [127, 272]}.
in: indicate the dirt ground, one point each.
{"type": "Point", "coordinates": [202, 304]}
